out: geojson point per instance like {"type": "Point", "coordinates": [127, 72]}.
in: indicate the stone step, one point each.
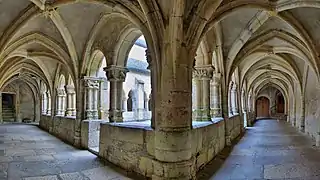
{"type": "Point", "coordinates": [8, 117]}
{"type": "Point", "coordinates": [7, 110]}
{"type": "Point", "coordinates": [7, 114]}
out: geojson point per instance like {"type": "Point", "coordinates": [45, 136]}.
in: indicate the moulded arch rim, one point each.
{"type": "Point", "coordinates": [255, 45]}
{"type": "Point", "coordinates": [40, 39]}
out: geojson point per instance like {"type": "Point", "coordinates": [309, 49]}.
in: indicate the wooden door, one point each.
{"type": "Point", "coordinates": [280, 104]}
{"type": "Point", "coordinates": [262, 107]}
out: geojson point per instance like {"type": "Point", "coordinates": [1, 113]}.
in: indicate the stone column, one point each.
{"type": "Point", "coordinates": [18, 114]}
{"type": "Point", "coordinates": [1, 118]}
{"type": "Point", "coordinates": [48, 104]}
{"type": "Point", "coordinates": [116, 75]}
{"type": "Point", "coordinates": [198, 82]}
{"type": "Point", "coordinates": [73, 104]}
{"type": "Point", "coordinates": [234, 99]}
{"type": "Point", "coordinates": [302, 118]}
{"type": "Point", "coordinates": [249, 102]}
{"type": "Point", "coordinates": [153, 93]}
{"type": "Point", "coordinates": [63, 103]}
{"type": "Point", "coordinates": [293, 121]}
{"type": "Point", "coordinates": [174, 118]}
{"type": "Point", "coordinates": [60, 102]}
{"type": "Point", "coordinates": [44, 104]}
{"type": "Point", "coordinates": [89, 92]}
{"type": "Point", "coordinates": [95, 91]}
{"type": "Point", "coordinates": [70, 100]}
{"type": "Point", "coordinates": [203, 77]}
{"type": "Point", "coordinates": [244, 109]}
{"type": "Point", "coordinates": [250, 110]}
{"type": "Point", "coordinates": [100, 107]}
{"type": "Point", "coordinates": [216, 96]}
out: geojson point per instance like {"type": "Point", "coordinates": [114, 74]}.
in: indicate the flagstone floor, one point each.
{"type": "Point", "coordinates": [270, 150]}
{"type": "Point", "coordinates": [28, 153]}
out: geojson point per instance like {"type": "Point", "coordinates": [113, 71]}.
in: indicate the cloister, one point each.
{"type": "Point", "coordinates": [158, 89]}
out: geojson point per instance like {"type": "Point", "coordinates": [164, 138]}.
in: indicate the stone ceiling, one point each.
{"type": "Point", "coordinates": [274, 41]}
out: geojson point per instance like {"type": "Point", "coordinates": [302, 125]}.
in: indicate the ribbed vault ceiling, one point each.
{"type": "Point", "coordinates": [269, 42]}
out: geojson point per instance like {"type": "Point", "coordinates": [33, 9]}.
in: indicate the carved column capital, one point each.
{"type": "Point", "coordinates": [70, 89]}
{"type": "Point", "coordinates": [116, 73]}
{"type": "Point", "coordinates": [91, 83]}
{"type": "Point", "coordinates": [61, 92]}
{"type": "Point", "coordinates": [233, 87]}
{"type": "Point", "coordinates": [216, 79]}
{"type": "Point", "coordinates": [203, 72]}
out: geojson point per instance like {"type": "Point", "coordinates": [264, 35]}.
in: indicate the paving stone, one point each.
{"type": "Point", "coordinates": [41, 156]}
{"type": "Point", "coordinates": [101, 173]}
{"type": "Point", "coordinates": [42, 178]}
{"type": "Point", "coordinates": [72, 176]}
{"type": "Point", "coordinates": [269, 150]}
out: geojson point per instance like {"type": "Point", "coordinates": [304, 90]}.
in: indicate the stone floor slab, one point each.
{"type": "Point", "coordinates": [28, 153]}
{"type": "Point", "coordinates": [269, 150]}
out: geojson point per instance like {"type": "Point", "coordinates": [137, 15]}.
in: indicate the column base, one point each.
{"type": "Point", "coordinates": [202, 115]}
{"type": "Point", "coordinates": [48, 112]}
{"type": "Point", "coordinates": [318, 139]}
{"type": "Point", "coordinates": [95, 115]}
{"type": "Point", "coordinates": [69, 112]}
{"type": "Point", "coordinates": [89, 114]}
{"type": "Point", "coordinates": [302, 129]}
{"type": "Point", "coordinates": [293, 122]}
{"type": "Point", "coordinates": [115, 116]}
{"type": "Point", "coordinates": [215, 112]}
{"type": "Point", "coordinates": [77, 140]}
{"type": "Point", "coordinates": [183, 170]}
{"type": "Point", "coordinates": [100, 114]}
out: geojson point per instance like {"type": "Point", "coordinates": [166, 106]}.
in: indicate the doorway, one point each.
{"type": "Point", "coordinates": [8, 112]}
{"type": "Point", "coordinates": [280, 103]}
{"type": "Point", "coordinates": [7, 100]}
{"type": "Point", "coordinates": [262, 107]}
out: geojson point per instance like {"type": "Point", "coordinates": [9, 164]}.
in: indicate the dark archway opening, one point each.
{"type": "Point", "coordinates": [8, 113]}
{"type": "Point", "coordinates": [7, 100]}
{"type": "Point", "coordinates": [280, 103]}
{"type": "Point", "coordinates": [263, 107]}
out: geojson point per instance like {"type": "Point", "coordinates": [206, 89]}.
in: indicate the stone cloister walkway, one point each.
{"type": "Point", "coordinates": [270, 150]}
{"type": "Point", "coordinates": [28, 153]}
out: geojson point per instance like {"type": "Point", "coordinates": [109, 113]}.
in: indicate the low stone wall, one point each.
{"type": "Point", "coordinates": [207, 142]}
{"type": "Point", "coordinates": [234, 126]}
{"type": "Point", "coordinates": [90, 133]}
{"type": "Point", "coordinates": [46, 123]}
{"type": "Point", "coordinates": [132, 148]}
{"type": "Point", "coordinates": [61, 127]}
{"type": "Point", "coordinates": [251, 118]}
{"type": "Point", "coordinates": [128, 147]}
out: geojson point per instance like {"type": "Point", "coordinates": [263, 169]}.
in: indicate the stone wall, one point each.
{"type": "Point", "coordinates": [233, 126]}
{"type": "Point", "coordinates": [132, 148]}
{"type": "Point", "coordinates": [127, 147]}
{"type": "Point", "coordinates": [61, 127]}
{"type": "Point", "coordinates": [90, 133]}
{"type": "Point", "coordinates": [27, 103]}
{"type": "Point", "coordinates": [207, 142]}
{"type": "Point", "coordinates": [312, 110]}
{"type": "Point", "coordinates": [251, 118]}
